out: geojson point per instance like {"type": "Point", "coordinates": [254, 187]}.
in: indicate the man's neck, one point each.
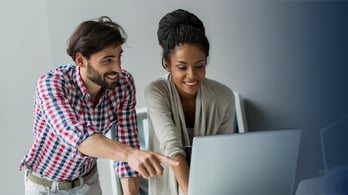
{"type": "Point", "coordinates": [94, 90]}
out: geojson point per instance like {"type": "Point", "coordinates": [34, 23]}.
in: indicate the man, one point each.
{"type": "Point", "coordinates": [75, 106]}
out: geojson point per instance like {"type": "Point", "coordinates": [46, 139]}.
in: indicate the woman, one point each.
{"type": "Point", "coordinates": [184, 103]}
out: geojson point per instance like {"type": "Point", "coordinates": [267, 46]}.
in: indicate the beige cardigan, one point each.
{"type": "Point", "coordinates": [215, 114]}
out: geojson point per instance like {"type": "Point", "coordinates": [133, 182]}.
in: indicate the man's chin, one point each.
{"type": "Point", "coordinates": [110, 85]}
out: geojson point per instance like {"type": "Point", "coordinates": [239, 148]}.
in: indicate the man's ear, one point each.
{"type": "Point", "coordinates": [79, 59]}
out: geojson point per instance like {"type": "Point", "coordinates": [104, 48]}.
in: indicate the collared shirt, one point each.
{"type": "Point", "coordinates": [64, 116]}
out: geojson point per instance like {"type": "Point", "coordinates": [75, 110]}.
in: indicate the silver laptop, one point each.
{"type": "Point", "coordinates": [251, 163]}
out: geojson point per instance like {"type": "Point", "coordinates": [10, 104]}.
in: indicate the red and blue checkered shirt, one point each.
{"type": "Point", "coordinates": [64, 116]}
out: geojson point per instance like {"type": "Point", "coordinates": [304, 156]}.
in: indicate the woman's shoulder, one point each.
{"type": "Point", "coordinates": [158, 84]}
{"type": "Point", "coordinates": [217, 87]}
{"type": "Point", "coordinates": [215, 90]}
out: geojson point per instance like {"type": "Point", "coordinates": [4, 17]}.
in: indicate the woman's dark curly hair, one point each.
{"type": "Point", "coordinates": [181, 27]}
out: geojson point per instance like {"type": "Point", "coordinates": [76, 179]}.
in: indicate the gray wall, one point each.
{"type": "Point", "coordinates": [287, 59]}
{"type": "Point", "coordinates": [24, 54]}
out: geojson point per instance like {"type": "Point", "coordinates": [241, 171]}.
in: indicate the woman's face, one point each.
{"type": "Point", "coordinates": [187, 65]}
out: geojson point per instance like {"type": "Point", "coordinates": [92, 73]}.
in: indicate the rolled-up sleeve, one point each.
{"type": "Point", "coordinates": [126, 132]}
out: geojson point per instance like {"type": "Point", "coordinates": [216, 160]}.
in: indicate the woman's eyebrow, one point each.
{"type": "Point", "coordinates": [199, 61]}
{"type": "Point", "coordinates": [181, 62]}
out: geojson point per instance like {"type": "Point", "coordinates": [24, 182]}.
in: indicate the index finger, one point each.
{"type": "Point", "coordinates": [166, 159]}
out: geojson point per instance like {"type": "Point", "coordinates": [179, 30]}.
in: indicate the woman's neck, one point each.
{"type": "Point", "coordinates": [189, 108]}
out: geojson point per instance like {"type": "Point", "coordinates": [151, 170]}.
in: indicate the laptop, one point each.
{"type": "Point", "coordinates": [251, 163]}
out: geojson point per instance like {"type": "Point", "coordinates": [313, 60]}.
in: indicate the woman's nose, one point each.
{"type": "Point", "coordinates": [190, 73]}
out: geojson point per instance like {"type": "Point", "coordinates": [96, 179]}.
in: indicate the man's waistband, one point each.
{"type": "Point", "coordinates": [64, 185]}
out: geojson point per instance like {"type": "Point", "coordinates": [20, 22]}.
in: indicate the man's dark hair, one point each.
{"type": "Point", "coordinates": [181, 27]}
{"type": "Point", "coordinates": [93, 36]}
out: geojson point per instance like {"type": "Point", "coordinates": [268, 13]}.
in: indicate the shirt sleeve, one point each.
{"type": "Point", "coordinates": [52, 97]}
{"type": "Point", "coordinates": [166, 123]}
{"type": "Point", "coordinates": [127, 132]}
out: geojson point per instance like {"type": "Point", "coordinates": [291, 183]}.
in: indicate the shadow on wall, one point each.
{"type": "Point", "coordinates": [251, 110]}
{"type": "Point", "coordinates": [334, 178]}
{"type": "Point", "coordinates": [309, 160]}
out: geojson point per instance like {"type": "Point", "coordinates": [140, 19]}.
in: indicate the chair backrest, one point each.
{"type": "Point", "coordinates": [143, 132]}
{"type": "Point", "coordinates": [143, 137]}
{"type": "Point", "coordinates": [242, 125]}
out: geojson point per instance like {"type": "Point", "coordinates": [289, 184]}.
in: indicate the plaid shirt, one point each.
{"type": "Point", "coordinates": [64, 116]}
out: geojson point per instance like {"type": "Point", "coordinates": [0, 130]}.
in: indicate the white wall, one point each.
{"type": "Point", "coordinates": [288, 60]}
{"type": "Point", "coordinates": [24, 51]}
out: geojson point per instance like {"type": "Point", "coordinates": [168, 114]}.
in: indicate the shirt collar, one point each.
{"type": "Point", "coordinates": [79, 81]}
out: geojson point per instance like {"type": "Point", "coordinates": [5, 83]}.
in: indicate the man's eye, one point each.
{"type": "Point", "coordinates": [107, 61]}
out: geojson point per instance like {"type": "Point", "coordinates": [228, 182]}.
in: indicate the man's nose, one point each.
{"type": "Point", "coordinates": [117, 67]}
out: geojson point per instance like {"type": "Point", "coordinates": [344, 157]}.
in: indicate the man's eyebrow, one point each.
{"type": "Point", "coordinates": [112, 56]}
{"type": "Point", "coordinates": [109, 56]}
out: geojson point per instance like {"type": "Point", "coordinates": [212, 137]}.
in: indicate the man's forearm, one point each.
{"type": "Point", "coordinates": [100, 146]}
{"type": "Point", "coordinates": [147, 163]}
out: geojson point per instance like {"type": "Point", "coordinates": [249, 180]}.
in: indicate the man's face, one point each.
{"type": "Point", "coordinates": [103, 67]}
{"type": "Point", "coordinates": [107, 80]}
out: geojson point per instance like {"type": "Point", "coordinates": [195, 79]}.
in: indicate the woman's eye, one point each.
{"type": "Point", "coordinates": [181, 67]}
{"type": "Point", "coordinates": [200, 65]}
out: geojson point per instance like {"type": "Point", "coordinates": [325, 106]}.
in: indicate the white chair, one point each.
{"type": "Point", "coordinates": [143, 132]}
{"type": "Point", "coordinates": [143, 137]}
{"type": "Point", "coordinates": [242, 125]}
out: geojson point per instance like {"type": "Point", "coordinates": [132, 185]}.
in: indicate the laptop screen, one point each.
{"type": "Point", "coordinates": [262, 162]}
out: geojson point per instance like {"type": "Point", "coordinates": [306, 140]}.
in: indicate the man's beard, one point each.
{"type": "Point", "coordinates": [99, 79]}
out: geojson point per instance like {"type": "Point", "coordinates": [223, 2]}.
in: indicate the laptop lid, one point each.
{"type": "Point", "coordinates": [262, 162]}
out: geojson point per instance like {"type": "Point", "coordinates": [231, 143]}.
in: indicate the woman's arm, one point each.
{"type": "Point", "coordinates": [130, 185]}
{"type": "Point", "coordinates": [181, 172]}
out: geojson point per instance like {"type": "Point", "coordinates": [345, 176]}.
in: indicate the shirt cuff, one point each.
{"type": "Point", "coordinates": [123, 170]}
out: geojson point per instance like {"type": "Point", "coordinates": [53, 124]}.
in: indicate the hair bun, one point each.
{"type": "Point", "coordinates": [176, 20]}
